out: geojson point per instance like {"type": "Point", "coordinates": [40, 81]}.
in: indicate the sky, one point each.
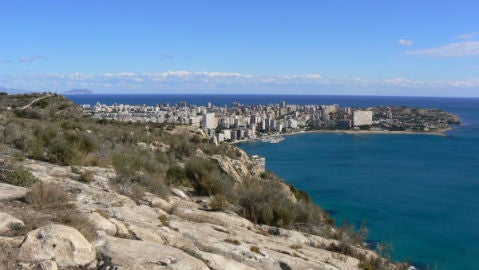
{"type": "Point", "coordinates": [333, 47]}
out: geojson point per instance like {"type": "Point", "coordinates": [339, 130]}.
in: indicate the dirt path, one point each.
{"type": "Point", "coordinates": [33, 101]}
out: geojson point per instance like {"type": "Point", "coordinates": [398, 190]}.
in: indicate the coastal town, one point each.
{"type": "Point", "coordinates": [245, 122]}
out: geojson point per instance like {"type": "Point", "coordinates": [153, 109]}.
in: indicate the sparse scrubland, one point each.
{"type": "Point", "coordinates": [147, 161]}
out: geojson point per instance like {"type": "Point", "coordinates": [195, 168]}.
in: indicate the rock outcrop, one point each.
{"type": "Point", "coordinates": [176, 232]}
{"type": "Point", "coordinates": [9, 192]}
{"type": "Point", "coordinates": [62, 244]}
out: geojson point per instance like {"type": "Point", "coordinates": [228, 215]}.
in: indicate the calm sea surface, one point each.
{"type": "Point", "coordinates": [418, 192]}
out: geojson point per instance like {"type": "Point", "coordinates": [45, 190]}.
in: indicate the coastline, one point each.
{"type": "Point", "coordinates": [441, 132]}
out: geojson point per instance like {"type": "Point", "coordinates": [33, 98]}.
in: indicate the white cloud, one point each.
{"type": "Point", "coordinates": [457, 49]}
{"type": "Point", "coordinates": [182, 81]}
{"type": "Point", "coordinates": [467, 36]}
{"type": "Point", "coordinates": [28, 59]}
{"type": "Point", "coordinates": [405, 42]}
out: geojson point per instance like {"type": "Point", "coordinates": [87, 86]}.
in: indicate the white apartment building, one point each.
{"type": "Point", "coordinates": [361, 118]}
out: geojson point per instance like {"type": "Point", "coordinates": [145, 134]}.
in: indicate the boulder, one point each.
{"type": "Point", "coordinates": [7, 222]}
{"type": "Point", "coordinates": [101, 223]}
{"type": "Point", "coordinates": [146, 255]}
{"type": "Point", "coordinates": [65, 245]}
{"type": "Point", "coordinates": [10, 192]}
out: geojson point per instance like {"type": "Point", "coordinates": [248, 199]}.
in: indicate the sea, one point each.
{"type": "Point", "coordinates": [417, 192]}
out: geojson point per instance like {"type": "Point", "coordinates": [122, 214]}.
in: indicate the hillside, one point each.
{"type": "Point", "coordinates": [76, 193]}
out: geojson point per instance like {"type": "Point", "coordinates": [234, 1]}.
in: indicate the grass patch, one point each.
{"type": "Point", "coordinates": [78, 221]}
{"type": "Point", "coordinates": [164, 220]}
{"type": "Point", "coordinates": [233, 241]}
{"type": "Point", "coordinates": [296, 246]}
{"type": "Point", "coordinates": [47, 195]}
{"type": "Point", "coordinates": [255, 249]}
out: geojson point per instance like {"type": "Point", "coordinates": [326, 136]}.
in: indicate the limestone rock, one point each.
{"type": "Point", "coordinates": [180, 193]}
{"type": "Point", "coordinates": [48, 265]}
{"type": "Point", "coordinates": [121, 229]}
{"type": "Point", "coordinates": [146, 234]}
{"type": "Point", "coordinates": [7, 222]}
{"type": "Point", "coordinates": [145, 255]}
{"type": "Point", "coordinates": [221, 263]}
{"type": "Point", "coordinates": [10, 192]}
{"type": "Point", "coordinates": [157, 202]}
{"type": "Point", "coordinates": [138, 215]}
{"type": "Point", "coordinates": [65, 245]}
{"type": "Point", "coordinates": [101, 223]}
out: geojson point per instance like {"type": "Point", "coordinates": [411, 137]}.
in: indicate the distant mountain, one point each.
{"type": "Point", "coordinates": [78, 92]}
{"type": "Point", "coordinates": [14, 90]}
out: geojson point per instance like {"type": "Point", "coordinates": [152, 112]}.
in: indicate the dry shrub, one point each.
{"type": "Point", "coordinates": [255, 249]}
{"type": "Point", "coordinates": [233, 241]}
{"type": "Point", "coordinates": [47, 195]}
{"type": "Point", "coordinates": [86, 176]}
{"type": "Point", "coordinates": [218, 203]}
{"type": "Point", "coordinates": [78, 221]}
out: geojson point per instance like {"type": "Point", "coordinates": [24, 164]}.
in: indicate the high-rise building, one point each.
{"type": "Point", "coordinates": [362, 118]}
{"type": "Point", "coordinates": [209, 121]}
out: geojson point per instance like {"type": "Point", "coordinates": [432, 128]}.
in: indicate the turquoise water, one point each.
{"type": "Point", "coordinates": [419, 192]}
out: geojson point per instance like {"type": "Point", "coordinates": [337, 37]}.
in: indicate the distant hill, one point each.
{"type": "Point", "coordinates": [13, 90]}
{"type": "Point", "coordinates": [78, 92]}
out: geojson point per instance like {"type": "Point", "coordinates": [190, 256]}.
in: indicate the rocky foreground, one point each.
{"type": "Point", "coordinates": [179, 232]}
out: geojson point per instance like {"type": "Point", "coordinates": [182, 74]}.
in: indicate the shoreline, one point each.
{"type": "Point", "coordinates": [441, 132]}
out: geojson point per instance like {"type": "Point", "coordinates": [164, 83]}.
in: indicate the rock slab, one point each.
{"type": "Point", "coordinates": [62, 244]}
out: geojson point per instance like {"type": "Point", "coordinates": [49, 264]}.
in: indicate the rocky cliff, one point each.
{"type": "Point", "coordinates": [178, 232]}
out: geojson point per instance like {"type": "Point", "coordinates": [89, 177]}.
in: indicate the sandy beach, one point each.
{"type": "Point", "coordinates": [441, 132]}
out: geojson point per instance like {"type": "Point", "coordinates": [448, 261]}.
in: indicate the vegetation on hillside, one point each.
{"type": "Point", "coordinates": [54, 129]}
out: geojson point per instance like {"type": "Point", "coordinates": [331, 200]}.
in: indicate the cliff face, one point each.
{"type": "Point", "coordinates": [173, 233]}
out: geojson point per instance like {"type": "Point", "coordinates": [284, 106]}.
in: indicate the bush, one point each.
{"type": "Point", "coordinates": [206, 177]}
{"type": "Point", "coordinates": [17, 176]}
{"type": "Point", "coordinates": [29, 114]}
{"type": "Point", "coordinates": [86, 176]}
{"type": "Point", "coordinates": [41, 103]}
{"type": "Point", "coordinates": [78, 221]}
{"type": "Point", "coordinates": [176, 175]}
{"type": "Point", "coordinates": [255, 249]}
{"type": "Point", "coordinates": [218, 203]}
{"type": "Point", "coordinates": [47, 195]}
{"type": "Point", "coordinates": [233, 241]}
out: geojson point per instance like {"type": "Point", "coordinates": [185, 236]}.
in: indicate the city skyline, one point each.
{"type": "Point", "coordinates": [393, 48]}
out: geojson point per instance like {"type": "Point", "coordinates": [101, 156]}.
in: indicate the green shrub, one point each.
{"type": "Point", "coordinates": [29, 114]}
{"type": "Point", "coordinates": [176, 175]}
{"type": "Point", "coordinates": [299, 194]}
{"type": "Point", "coordinates": [17, 176]}
{"type": "Point", "coordinates": [206, 177]}
{"type": "Point", "coordinates": [41, 103]}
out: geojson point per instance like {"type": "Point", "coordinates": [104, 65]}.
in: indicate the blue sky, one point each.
{"type": "Point", "coordinates": [408, 47]}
